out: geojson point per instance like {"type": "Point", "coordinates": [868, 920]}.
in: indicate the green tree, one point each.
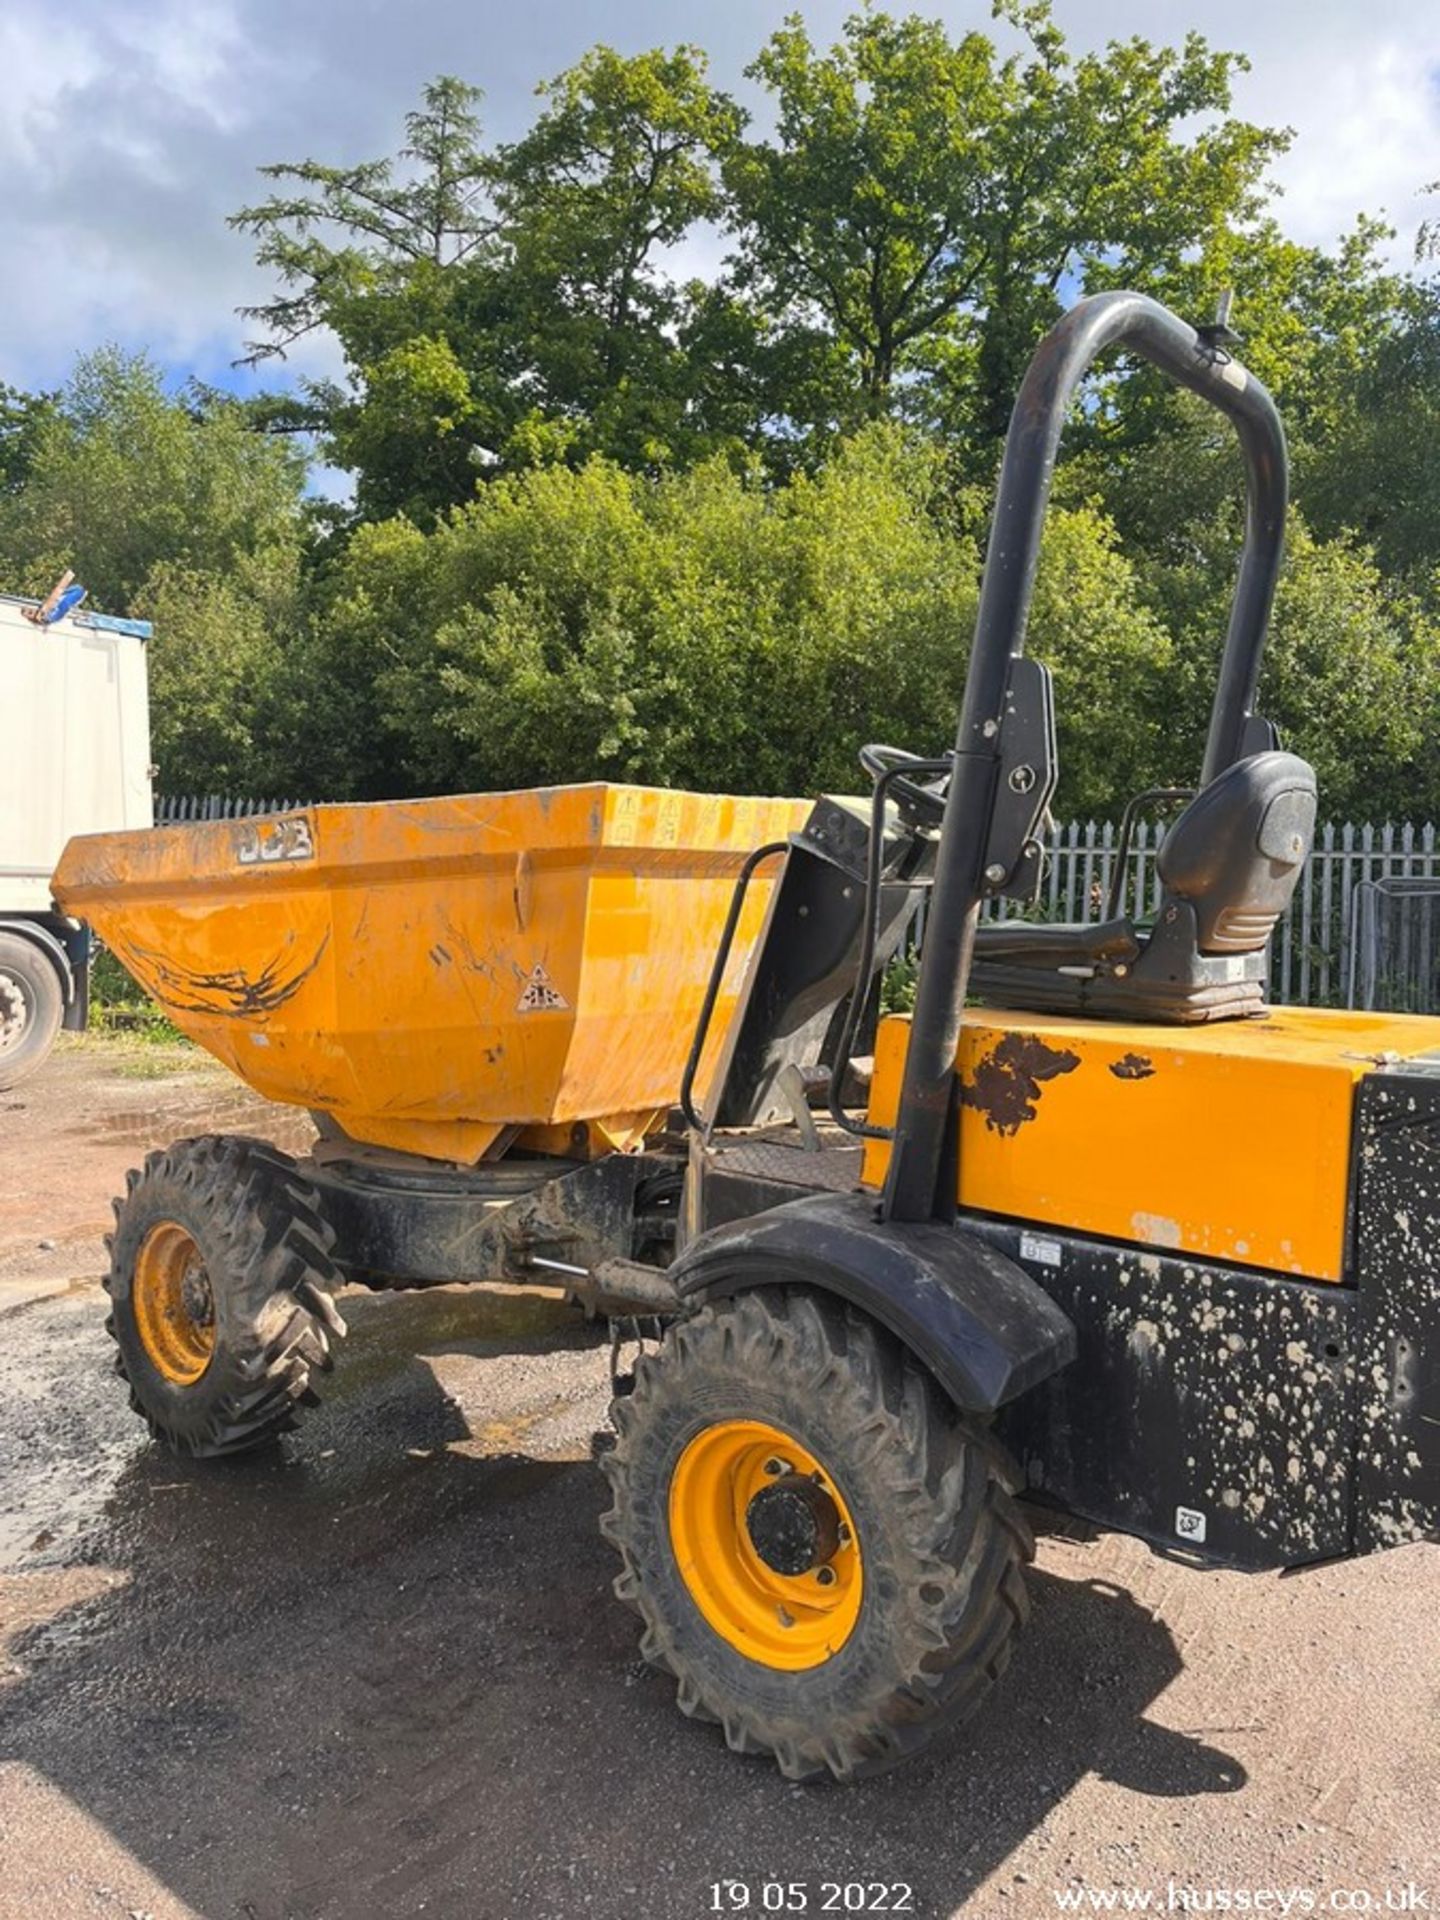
{"type": "Point", "coordinates": [1113, 665]}
{"type": "Point", "coordinates": [697, 628]}
{"type": "Point", "coordinates": [411, 435]}
{"type": "Point", "coordinates": [707, 629]}
{"type": "Point", "coordinates": [179, 512]}
{"type": "Point", "coordinates": [495, 309]}
{"type": "Point", "coordinates": [21, 417]}
{"type": "Point", "coordinates": [396, 257]}
{"type": "Point", "coordinates": [122, 476]}
{"type": "Point", "coordinates": [1313, 323]}
{"type": "Point", "coordinates": [360, 231]}
{"type": "Point", "coordinates": [923, 201]}
{"type": "Point", "coordinates": [618, 168]}
{"type": "Point", "coordinates": [215, 661]}
{"type": "Point", "coordinates": [1376, 470]}
{"type": "Point", "coordinates": [1349, 674]}
{"type": "Point", "coordinates": [1349, 677]}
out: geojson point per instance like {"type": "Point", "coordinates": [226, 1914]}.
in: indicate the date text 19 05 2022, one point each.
{"type": "Point", "coordinates": [811, 1896]}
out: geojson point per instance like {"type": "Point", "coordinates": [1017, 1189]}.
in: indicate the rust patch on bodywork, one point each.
{"type": "Point", "coordinates": [1007, 1083]}
{"type": "Point", "coordinates": [1133, 1066]}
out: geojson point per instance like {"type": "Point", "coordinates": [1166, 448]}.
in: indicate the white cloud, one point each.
{"type": "Point", "coordinates": [1360, 86]}
{"type": "Point", "coordinates": [1373, 146]}
{"type": "Point", "coordinates": [42, 58]}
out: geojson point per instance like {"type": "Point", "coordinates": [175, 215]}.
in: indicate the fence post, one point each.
{"type": "Point", "coordinates": [1426, 934]}
{"type": "Point", "coordinates": [1072, 866]}
{"type": "Point", "coordinates": [1328, 995]}
{"type": "Point", "coordinates": [1053, 877]}
{"type": "Point", "coordinates": [1307, 894]}
{"type": "Point", "coordinates": [1405, 903]}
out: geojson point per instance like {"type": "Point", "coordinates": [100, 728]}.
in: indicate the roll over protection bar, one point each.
{"type": "Point", "coordinates": [921, 1179]}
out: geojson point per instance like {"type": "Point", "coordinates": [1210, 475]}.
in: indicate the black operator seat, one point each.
{"type": "Point", "coordinates": [1227, 869]}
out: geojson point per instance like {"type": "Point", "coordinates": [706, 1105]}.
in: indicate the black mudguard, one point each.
{"type": "Point", "coordinates": [982, 1326]}
{"type": "Point", "coordinates": [66, 945]}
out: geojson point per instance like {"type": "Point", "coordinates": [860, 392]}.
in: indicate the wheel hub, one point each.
{"type": "Point", "coordinates": [196, 1297]}
{"type": "Point", "coordinates": [14, 1011]}
{"type": "Point", "coordinates": [766, 1545]}
{"type": "Point", "coordinates": [793, 1524]}
{"type": "Point", "coordinates": [174, 1304]}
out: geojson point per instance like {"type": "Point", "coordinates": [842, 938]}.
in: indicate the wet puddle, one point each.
{"type": "Point", "coordinates": [146, 1127]}
{"type": "Point", "coordinates": [428, 1383]}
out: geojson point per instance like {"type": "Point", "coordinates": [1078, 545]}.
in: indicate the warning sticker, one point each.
{"type": "Point", "coordinates": [1034, 1246]}
{"type": "Point", "coordinates": [1190, 1524]}
{"type": "Point", "coordinates": [539, 995]}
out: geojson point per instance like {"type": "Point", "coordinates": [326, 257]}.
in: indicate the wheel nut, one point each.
{"type": "Point", "coordinates": [825, 1576]}
{"type": "Point", "coordinates": [844, 1534]}
{"type": "Point", "coordinates": [776, 1467]}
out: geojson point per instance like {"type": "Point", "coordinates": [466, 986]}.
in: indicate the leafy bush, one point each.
{"type": "Point", "coordinates": [709, 630]}
{"type": "Point", "coordinates": [119, 1004]}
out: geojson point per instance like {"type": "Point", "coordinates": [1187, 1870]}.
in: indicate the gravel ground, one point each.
{"type": "Point", "coordinates": [380, 1672]}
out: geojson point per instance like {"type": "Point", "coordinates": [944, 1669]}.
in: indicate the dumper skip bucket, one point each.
{"type": "Point", "coordinates": [443, 976]}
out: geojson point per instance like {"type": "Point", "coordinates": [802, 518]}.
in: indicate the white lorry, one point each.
{"type": "Point", "coordinates": [74, 758]}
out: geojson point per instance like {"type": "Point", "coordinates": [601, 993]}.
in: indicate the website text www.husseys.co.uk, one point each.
{"type": "Point", "coordinates": [1275, 1903]}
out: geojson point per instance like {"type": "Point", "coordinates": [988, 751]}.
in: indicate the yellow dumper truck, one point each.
{"type": "Point", "coordinates": [1109, 1231]}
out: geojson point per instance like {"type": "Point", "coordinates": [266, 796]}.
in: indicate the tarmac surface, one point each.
{"type": "Point", "coordinates": [380, 1672]}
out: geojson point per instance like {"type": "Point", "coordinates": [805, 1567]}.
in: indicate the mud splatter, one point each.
{"type": "Point", "coordinates": [1007, 1083]}
{"type": "Point", "coordinates": [231, 993]}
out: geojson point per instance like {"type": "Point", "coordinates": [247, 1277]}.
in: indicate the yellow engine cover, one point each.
{"type": "Point", "coordinates": [436, 973]}
{"type": "Point", "coordinates": [1231, 1141]}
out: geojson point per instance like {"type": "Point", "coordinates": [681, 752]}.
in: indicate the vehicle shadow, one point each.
{"type": "Point", "coordinates": [373, 1674]}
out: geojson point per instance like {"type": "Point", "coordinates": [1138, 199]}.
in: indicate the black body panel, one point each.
{"type": "Point", "coordinates": [1397, 1261]}
{"type": "Point", "coordinates": [1208, 1409]}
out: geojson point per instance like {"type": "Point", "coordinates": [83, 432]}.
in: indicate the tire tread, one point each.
{"type": "Point", "coordinates": [970, 1541]}
{"type": "Point", "coordinates": [268, 1246]}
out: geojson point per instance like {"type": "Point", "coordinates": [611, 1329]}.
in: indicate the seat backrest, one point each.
{"type": "Point", "coordinates": [1237, 850]}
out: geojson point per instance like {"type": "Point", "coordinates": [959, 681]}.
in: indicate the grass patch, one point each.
{"type": "Point", "coordinates": [121, 1008]}
{"type": "Point", "coordinates": [146, 1061]}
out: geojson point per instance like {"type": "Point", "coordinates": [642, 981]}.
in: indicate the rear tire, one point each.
{"type": "Point", "coordinates": [32, 1005]}
{"type": "Point", "coordinates": [220, 1284]}
{"type": "Point", "coordinates": [917, 1630]}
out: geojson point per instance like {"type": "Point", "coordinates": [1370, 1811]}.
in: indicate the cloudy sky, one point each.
{"type": "Point", "coordinates": [131, 128]}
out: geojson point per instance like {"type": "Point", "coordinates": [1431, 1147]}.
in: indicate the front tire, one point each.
{"type": "Point", "coordinates": [32, 1006]}
{"type": "Point", "coordinates": [825, 1554]}
{"type": "Point", "coordinates": [220, 1284]}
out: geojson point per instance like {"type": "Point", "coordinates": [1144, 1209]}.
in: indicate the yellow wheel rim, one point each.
{"type": "Point", "coordinates": [174, 1307]}
{"type": "Point", "coordinates": [778, 1618]}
